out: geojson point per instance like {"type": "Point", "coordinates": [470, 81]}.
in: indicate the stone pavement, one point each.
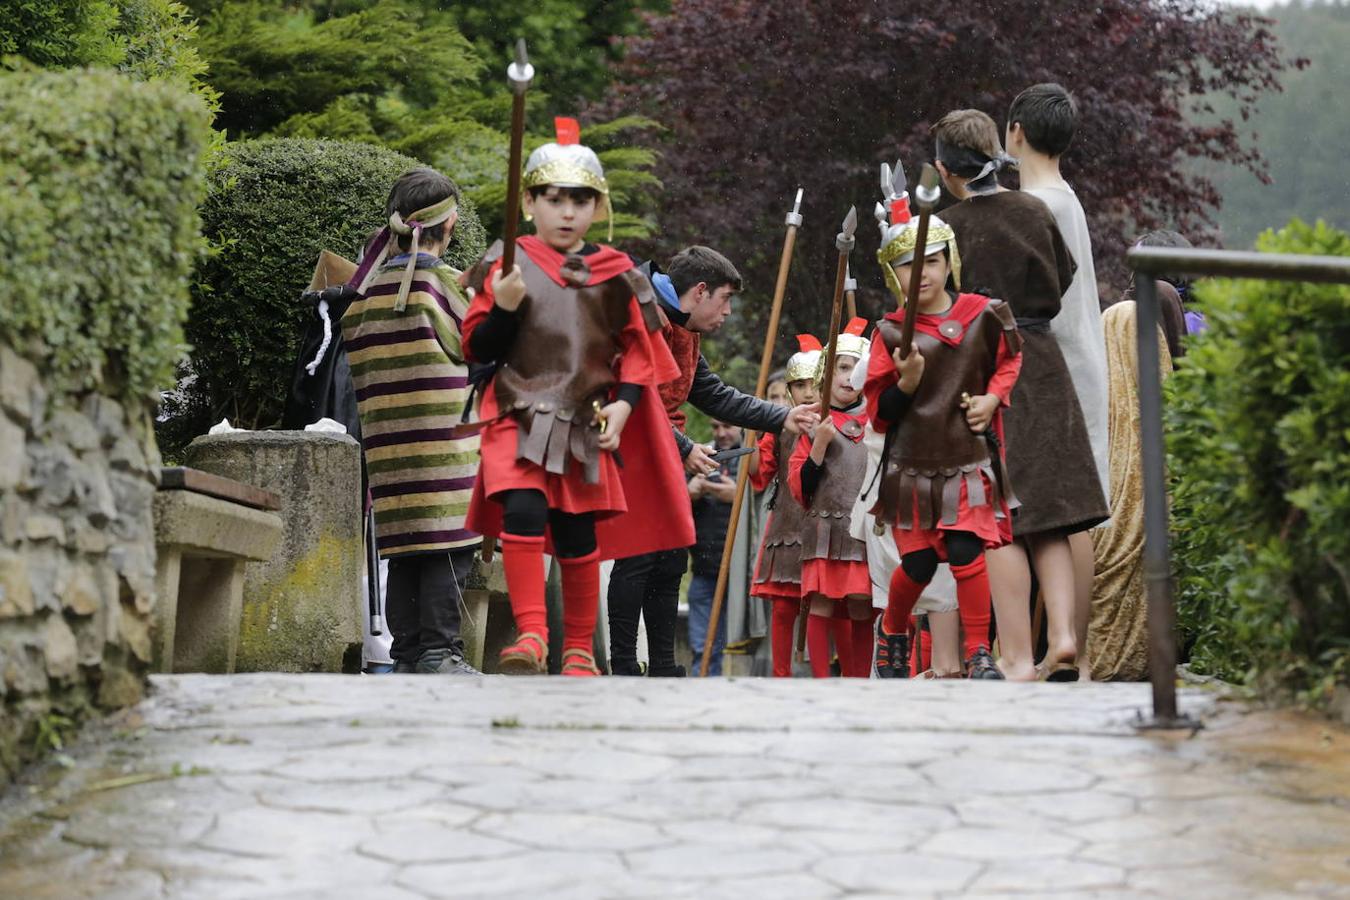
{"type": "Point", "coordinates": [302, 786]}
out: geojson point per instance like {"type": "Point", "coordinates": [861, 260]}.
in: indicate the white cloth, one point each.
{"type": "Point", "coordinates": [1078, 327]}
{"type": "Point", "coordinates": [882, 555]}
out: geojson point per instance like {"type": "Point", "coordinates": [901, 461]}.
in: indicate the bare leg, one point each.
{"type": "Point", "coordinates": [1084, 568]}
{"type": "Point", "coordinates": [1053, 560]}
{"type": "Point", "coordinates": [1010, 583]}
{"type": "Point", "coordinates": [946, 630]}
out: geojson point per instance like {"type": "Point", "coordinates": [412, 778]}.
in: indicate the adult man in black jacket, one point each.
{"type": "Point", "coordinates": [696, 296]}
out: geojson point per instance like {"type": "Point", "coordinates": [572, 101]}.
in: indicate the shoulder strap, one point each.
{"type": "Point", "coordinates": [646, 298]}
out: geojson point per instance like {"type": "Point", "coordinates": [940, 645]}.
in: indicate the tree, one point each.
{"type": "Point", "coordinates": [59, 34]}
{"type": "Point", "coordinates": [758, 98]}
{"type": "Point", "coordinates": [1298, 133]}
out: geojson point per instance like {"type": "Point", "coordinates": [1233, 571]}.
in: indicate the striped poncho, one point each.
{"type": "Point", "coordinates": [411, 386]}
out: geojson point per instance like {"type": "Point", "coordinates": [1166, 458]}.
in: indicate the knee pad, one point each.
{"type": "Point", "coordinates": [524, 513]}
{"type": "Point", "coordinates": [573, 535]}
{"type": "Point", "coordinates": [963, 548]}
{"type": "Point", "coordinates": [920, 565]}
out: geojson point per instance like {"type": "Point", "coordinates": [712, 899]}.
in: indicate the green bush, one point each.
{"type": "Point", "coordinates": [61, 33]}
{"type": "Point", "coordinates": [99, 185]}
{"type": "Point", "coordinates": [1259, 442]}
{"type": "Point", "coordinates": [272, 206]}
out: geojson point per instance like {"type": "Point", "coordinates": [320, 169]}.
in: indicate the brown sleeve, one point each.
{"type": "Point", "coordinates": [1011, 336]}
{"type": "Point", "coordinates": [646, 297]}
{"type": "Point", "coordinates": [478, 272]}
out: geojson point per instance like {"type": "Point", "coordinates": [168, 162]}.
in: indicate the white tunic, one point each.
{"type": "Point", "coordinates": [1078, 327]}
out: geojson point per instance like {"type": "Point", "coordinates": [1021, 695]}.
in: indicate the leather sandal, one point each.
{"type": "Point", "coordinates": [527, 656]}
{"type": "Point", "coordinates": [578, 663]}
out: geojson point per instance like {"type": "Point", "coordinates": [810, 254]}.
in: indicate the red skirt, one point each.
{"type": "Point", "coordinates": [501, 470]}
{"type": "Point", "coordinates": [979, 520]}
{"type": "Point", "coordinates": [836, 579]}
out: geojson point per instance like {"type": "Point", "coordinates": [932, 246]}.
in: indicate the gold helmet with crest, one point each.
{"type": "Point", "coordinates": [899, 231]}
{"type": "Point", "coordinates": [568, 163]}
{"type": "Point", "coordinates": [802, 365]}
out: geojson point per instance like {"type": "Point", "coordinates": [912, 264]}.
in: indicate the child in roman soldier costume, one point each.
{"type": "Point", "coordinates": [943, 490]}
{"type": "Point", "coordinates": [825, 474]}
{"type": "Point", "coordinates": [778, 574]}
{"type": "Point", "coordinates": [570, 332]}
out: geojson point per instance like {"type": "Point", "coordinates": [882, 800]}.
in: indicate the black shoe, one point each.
{"type": "Point", "coordinates": [404, 667]}
{"type": "Point", "coordinates": [633, 669]}
{"type": "Point", "coordinates": [666, 672]}
{"type": "Point", "coordinates": [981, 666]}
{"type": "Point", "coordinates": [444, 662]}
{"type": "Point", "coordinates": [892, 654]}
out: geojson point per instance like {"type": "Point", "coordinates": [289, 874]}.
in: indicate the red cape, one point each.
{"type": "Point", "coordinates": [659, 515]}
{"type": "Point", "coordinates": [965, 310]}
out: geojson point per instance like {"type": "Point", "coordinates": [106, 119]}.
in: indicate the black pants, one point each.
{"type": "Point", "coordinates": [422, 602]}
{"type": "Point", "coordinates": [648, 587]}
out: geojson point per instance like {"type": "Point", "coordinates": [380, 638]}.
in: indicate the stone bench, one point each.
{"type": "Point", "coordinates": [207, 528]}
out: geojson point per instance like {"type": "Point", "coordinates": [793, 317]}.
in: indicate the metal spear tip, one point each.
{"type": "Point", "coordinates": [927, 191]}
{"type": "Point", "coordinates": [898, 184]}
{"type": "Point", "coordinates": [845, 240]}
{"type": "Point", "coordinates": [887, 192]}
{"type": "Point", "coordinates": [794, 218]}
{"type": "Point", "coordinates": [520, 73]}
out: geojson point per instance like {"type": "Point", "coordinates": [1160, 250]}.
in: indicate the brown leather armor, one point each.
{"type": "Point", "coordinates": [563, 359]}
{"type": "Point", "coordinates": [781, 560]}
{"type": "Point", "coordinates": [825, 530]}
{"type": "Point", "coordinates": [932, 450]}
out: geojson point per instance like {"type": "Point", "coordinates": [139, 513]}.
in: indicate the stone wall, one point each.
{"type": "Point", "coordinates": [77, 558]}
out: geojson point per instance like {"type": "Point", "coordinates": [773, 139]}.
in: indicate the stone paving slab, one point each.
{"type": "Point", "coordinates": [297, 786]}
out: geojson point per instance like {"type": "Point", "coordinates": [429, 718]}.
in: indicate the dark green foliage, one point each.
{"type": "Point", "coordinates": [1259, 436]}
{"type": "Point", "coordinates": [271, 208]}
{"type": "Point", "coordinates": [271, 65]}
{"type": "Point", "coordinates": [99, 184]}
{"type": "Point", "coordinates": [60, 33]}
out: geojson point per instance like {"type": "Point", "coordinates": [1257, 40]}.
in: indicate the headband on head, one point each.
{"type": "Point", "coordinates": [978, 167]}
{"type": "Point", "coordinates": [446, 210]}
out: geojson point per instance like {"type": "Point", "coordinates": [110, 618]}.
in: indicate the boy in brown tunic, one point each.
{"type": "Point", "coordinates": [1011, 249]}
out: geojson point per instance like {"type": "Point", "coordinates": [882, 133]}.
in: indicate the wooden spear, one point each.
{"type": "Point", "coordinates": [844, 242]}
{"type": "Point", "coordinates": [850, 295]}
{"type": "Point", "coordinates": [793, 222]}
{"type": "Point", "coordinates": [519, 75]}
{"type": "Point", "coordinates": [926, 193]}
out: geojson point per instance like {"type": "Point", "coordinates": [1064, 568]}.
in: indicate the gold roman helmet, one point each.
{"type": "Point", "coordinates": [569, 163]}
{"type": "Point", "coordinates": [901, 231]}
{"type": "Point", "coordinates": [802, 365]}
{"type": "Point", "coordinates": [850, 343]}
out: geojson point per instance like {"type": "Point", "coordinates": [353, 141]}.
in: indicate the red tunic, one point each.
{"type": "Point", "coordinates": [760, 479]}
{"type": "Point", "coordinates": [623, 499]}
{"type": "Point", "coordinates": [832, 578]}
{"type": "Point", "coordinates": [881, 374]}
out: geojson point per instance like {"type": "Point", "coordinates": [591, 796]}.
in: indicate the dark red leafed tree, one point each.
{"type": "Point", "coordinates": [761, 97]}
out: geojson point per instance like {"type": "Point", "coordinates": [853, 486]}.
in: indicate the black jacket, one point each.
{"type": "Point", "coordinates": [714, 397]}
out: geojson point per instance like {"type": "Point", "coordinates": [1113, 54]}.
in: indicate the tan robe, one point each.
{"type": "Point", "coordinates": [1118, 630]}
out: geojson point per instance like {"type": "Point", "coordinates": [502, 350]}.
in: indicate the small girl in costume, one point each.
{"type": "Point", "coordinates": [569, 329]}
{"type": "Point", "coordinates": [778, 574]}
{"type": "Point", "coordinates": [825, 474]}
{"type": "Point", "coordinates": [943, 490]}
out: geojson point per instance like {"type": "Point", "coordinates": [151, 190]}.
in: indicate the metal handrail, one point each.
{"type": "Point", "coordinates": [1149, 262]}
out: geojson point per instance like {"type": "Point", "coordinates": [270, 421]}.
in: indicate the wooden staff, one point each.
{"type": "Point", "coordinates": [926, 193]}
{"type": "Point", "coordinates": [844, 242]}
{"type": "Point", "coordinates": [793, 222]}
{"type": "Point", "coordinates": [850, 295]}
{"type": "Point", "coordinates": [519, 75]}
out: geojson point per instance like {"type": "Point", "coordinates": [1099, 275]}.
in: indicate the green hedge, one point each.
{"type": "Point", "coordinates": [272, 206]}
{"type": "Point", "coordinates": [99, 186]}
{"type": "Point", "coordinates": [1259, 442]}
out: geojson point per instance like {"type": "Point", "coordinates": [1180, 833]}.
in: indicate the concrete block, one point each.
{"type": "Point", "coordinates": [302, 607]}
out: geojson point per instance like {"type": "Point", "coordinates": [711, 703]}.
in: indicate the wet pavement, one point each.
{"type": "Point", "coordinates": [302, 786]}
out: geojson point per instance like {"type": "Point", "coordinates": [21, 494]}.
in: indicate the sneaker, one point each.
{"type": "Point", "coordinates": [404, 667]}
{"type": "Point", "coordinates": [892, 654]}
{"type": "Point", "coordinates": [628, 669]}
{"type": "Point", "coordinates": [981, 666]}
{"type": "Point", "coordinates": [666, 672]}
{"type": "Point", "coordinates": [444, 662]}
{"type": "Point", "coordinates": [378, 668]}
